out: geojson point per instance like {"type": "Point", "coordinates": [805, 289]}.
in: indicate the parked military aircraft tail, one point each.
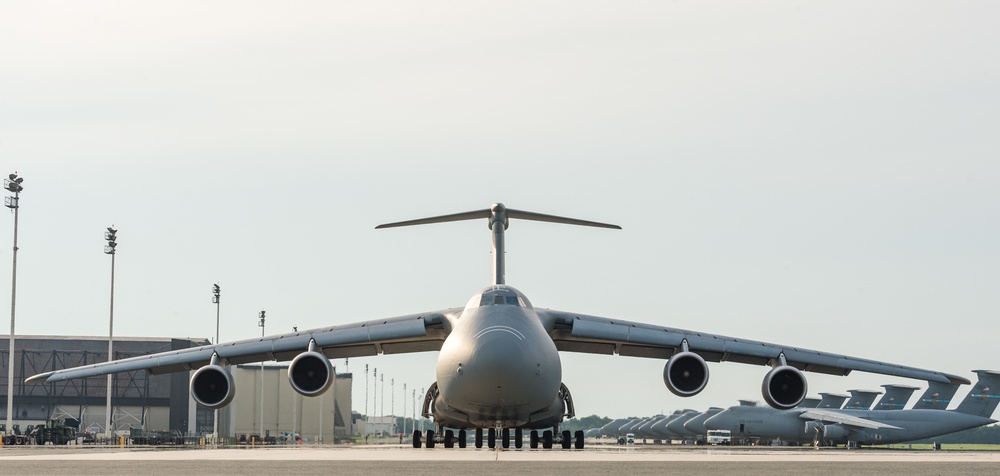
{"type": "Point", "coordinates": [937, 396]}
{"type": "Point", "coordinates": [861, 399]}
{"type": "Point", "coordinates": [896, 397]}
{"type": "Point", "coordinates": [982, 400]}
{"type": "Point", "coordinates": [832, 400]}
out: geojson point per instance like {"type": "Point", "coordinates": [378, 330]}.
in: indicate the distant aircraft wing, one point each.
{"type": "Point", "coordinates": [573, 332]}
{"type": "Point", "coordinates": [412, 333]}
{"type": "Point", "coordinates": [831, 416]}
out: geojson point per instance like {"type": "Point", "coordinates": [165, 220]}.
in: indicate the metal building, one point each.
{"type": "Point", "coordinates": [163, 402]}
{"type": "Point", "coordinates": [284, 410]}
{"type": "Point", "coordinates": [139, 400]}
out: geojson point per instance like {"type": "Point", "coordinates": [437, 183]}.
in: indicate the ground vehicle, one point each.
{"type": "Point", "coordinates": [719, 437]}
{"type": "Point", "coordinates": [628, 439]}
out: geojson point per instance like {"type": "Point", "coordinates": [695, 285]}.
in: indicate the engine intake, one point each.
{"type": "Point", "coordinates": [685, 374]}
{"type": "Point", "coordinates": [310, 373]}
{"type": "Point", "coordinates": [784, 387]}
{"type": "Point", "coordinates": [212, 386]}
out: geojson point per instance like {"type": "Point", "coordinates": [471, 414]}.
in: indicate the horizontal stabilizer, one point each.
{"type": "Point", "coordinates": [498, 212]}
{"type": "Point", "coordinates": [523, 215]}
{"type": "Point", "coordinates": [440, 219]}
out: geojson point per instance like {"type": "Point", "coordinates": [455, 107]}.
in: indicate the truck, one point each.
{"type": "Point", "coordinates": [628, 439]}
{"type": "Point", "coordinates": [719, 437]}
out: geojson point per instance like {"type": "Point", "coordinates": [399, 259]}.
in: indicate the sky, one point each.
{"type": "Point", "coordinates": [815, 174]}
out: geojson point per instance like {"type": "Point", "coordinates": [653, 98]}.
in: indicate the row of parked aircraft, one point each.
{"type": "Point", "coordinates": [832, 419]}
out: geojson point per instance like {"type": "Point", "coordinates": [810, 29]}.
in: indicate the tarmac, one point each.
{"type": "Point", "coordinates": [405, 460]}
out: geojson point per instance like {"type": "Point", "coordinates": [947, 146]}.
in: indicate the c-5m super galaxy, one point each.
{"type": "Point", "coordinates": [499, 367]}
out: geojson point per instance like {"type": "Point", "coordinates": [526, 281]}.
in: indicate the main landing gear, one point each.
{"type": "Point", "coordinates": [547, 439]}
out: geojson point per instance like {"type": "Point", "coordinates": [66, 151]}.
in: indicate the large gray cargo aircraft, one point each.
{"type": "Point", "coordinates": [499, 367]}
{"type": "Point", "coordinates": [863, 427]}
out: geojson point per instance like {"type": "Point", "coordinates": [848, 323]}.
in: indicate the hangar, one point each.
{"type": "Point", "coordinates": [162, 402]}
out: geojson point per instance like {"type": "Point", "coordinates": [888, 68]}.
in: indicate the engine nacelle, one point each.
{"type": "Point", "coordinates": [835, 432]}
{"type": "Point", "coordinates": [784, 387]}
{"type": "Point", "coordinates": [685, 374]}
{"type": "Point", "coordinates": [212, 386]}
{"type": "Point", "coordinates": [814, 428]}
{"type": "Point", "coordinates": [310, 373]}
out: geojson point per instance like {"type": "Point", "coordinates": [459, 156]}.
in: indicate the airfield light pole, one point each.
{"type": "Point", "coordinates": [404, 408]}
{"type": "Point", "coordinates": [260, 323]}
{"type": "Point", "coordinates": [367, 416]}
{"type": "Point", "coordinates": [216, 298]}
{"type": "Point", "coordinates": [392, 397]}
{"type": "Point", "coordinates": [109, 249]}
{"type": "Point", "coordinates": [13, 184]}
{"type": "Point", "coordinates": [381, 408]}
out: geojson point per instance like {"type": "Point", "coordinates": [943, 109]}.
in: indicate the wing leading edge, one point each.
{"type": "Point", "coordinates": [412, 333]}
{"type": "Point", "coordinates": [827, 416]}
{"type": "Point", "coordinates": [573, 332]}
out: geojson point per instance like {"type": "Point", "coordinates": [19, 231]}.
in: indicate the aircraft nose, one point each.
{"type": "Point", "coordinates": [502, 366]}
{"type": "Point", "coordinates": [722, 421]}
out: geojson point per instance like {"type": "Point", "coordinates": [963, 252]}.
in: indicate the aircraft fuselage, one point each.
{"type": "Point", "coordinates": [498, 365]}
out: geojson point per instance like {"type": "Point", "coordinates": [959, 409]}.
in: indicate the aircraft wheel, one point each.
{"type": "Point", "coordinates": [505, 438]}
{"type": "Point", "coordinates": [518, 438]}
{"type": "Point", "coordinates": [579, 439]}
{"type": "Point", "coordinates": [491, 438]}
{"type": "Point", "coordinates": [461, 438]}
{"type": "Point", "coordinates": [566, 441]}
{"type": "Point", "coordinates": [416, 438]}
{"type": "Point", "coordinates": [479, 437]}
{"type": "Point", "coordinates": [430, 439]}
{"type": "Point", "coordinates": [533, 439]}
{"type": "Point", "coordinates": [547, 439]}
{"type": "Point", "coordinates": [449, 439]}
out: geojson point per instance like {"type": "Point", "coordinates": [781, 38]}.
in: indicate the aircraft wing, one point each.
{"type": "Point", "coordinates": [573, 332]}
{"type": "Point", "coordinates": [412, 333]}
{"type": "Point", "coordinates": [828, 416]}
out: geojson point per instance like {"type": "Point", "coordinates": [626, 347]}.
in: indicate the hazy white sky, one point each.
{"type": "Point", "coordinates": [814, 174]}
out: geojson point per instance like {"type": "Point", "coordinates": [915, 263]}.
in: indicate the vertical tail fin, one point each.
{"type": "Point", "coordinates": [982, 400]}
{"type": "Point", "coordinates": [832, 400]}
{"type": "Point", "coordinates": [895, 397]}
{"type": "Point", "coordinates": [937, 396]}
{"type": "Point", "coordinates": [861, 399]}
{"type": "Point", "coordinates": [809, 402]}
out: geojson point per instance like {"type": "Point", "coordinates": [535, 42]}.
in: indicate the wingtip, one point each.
{"type": "Point", "coordinates": [40, 378]}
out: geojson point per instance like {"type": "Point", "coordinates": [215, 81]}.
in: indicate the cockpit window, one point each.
{"type": "Point", "coordinates": [489, 299]}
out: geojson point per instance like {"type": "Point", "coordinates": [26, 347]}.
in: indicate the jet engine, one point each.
{"type": "Point", "coordinates": [685, 374]}
{"type": "Point", "coordinates": [784, 387]}
{"type": "Point", "coordinates": [310, 373]}
{"type": "Point", "coordinates": [835, 432]}
{"type": "Point", "coordinates": [212, 386]}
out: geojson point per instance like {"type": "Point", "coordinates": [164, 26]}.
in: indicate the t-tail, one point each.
{"type": "Point", "coordinates": [937, 396]}
{"type": "Point", "coordinates": [896, 396]}
{"type": "Point", "coordinates": [982, 400]}
{"type": "Point", "coordinates": [498, 216]}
